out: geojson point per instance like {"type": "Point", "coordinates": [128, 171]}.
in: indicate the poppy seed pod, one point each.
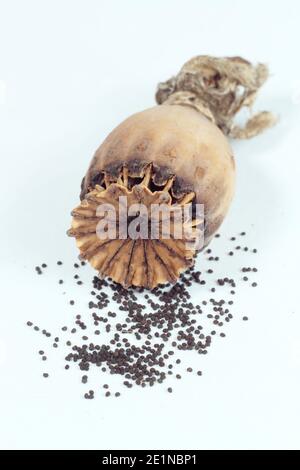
{"type": "Point", "coordinates": [175, 154]}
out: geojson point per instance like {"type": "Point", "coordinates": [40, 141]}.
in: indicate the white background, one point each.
{"type": "Point", "coordinates": [69, 72]}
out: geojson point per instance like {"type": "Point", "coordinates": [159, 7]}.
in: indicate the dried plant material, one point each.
{"type": "Point", "coordinates": [138, 262]}
{"type": "Point", "coordinates": [219, 88]}
{"type": "Point", "coordinates": [176, 153]}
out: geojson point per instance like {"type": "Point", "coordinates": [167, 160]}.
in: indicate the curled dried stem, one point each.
{"type": "Point", "coordinates": [219, 88]}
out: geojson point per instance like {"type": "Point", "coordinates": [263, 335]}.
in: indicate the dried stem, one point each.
{"type": "Point", "coordinates": [219, 88]}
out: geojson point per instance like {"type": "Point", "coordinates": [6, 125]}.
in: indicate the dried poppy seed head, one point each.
{"type": "Point", "coordinates": [167, 154]}
{"type": "Point", "coordinates": [175, 153]}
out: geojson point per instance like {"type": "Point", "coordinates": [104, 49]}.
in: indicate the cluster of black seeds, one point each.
{"type": "Point", "coordinates": [145, 332]}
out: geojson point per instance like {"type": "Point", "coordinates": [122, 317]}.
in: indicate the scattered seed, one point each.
{"type": "Point", "coordinates": [164, 323]}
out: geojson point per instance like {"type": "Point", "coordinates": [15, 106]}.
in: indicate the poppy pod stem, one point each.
{"type": "Point", "coordinates": [219, 87]}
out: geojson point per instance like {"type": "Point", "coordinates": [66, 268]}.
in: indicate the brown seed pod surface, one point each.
{"type": "Point", "coordinates": [165, 154]}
